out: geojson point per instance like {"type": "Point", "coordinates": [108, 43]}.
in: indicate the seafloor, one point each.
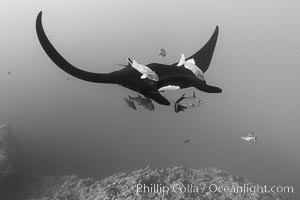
{"type": "Point", "coordinates": [199, 184]}
{"type": "Point", "coordinates": [175, 183]}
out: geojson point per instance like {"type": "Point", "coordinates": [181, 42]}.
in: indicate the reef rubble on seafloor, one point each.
{"type": "Point", "coordinates": [124, 186]}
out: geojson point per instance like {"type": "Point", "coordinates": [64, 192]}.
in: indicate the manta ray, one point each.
{"type": "Point", "coordinates": [169, 75]}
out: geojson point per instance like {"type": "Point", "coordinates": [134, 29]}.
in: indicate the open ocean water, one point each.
{"type": "Point", "coordinates": [66, 125]}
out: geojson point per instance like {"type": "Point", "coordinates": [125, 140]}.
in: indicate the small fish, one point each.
{"type": "Point", "coordinates": [186, 141]}
{"type": "Point", "coordinates": [162, 53]}
{"type": "Point", "coordinates": [143, 101]}
{"type": "Point", "coordinates": [144, 70]}
{"type": "Point", "coordinates": [9, 72]}
{"type": "Point", "coordinates": [249, 136]}
{"type": "Point", "coordinates": [179, 108]}
{"type": "Point", "coordinates": [190, 64]}
{"type": "Point", "coordinates": [187, 102]}
{"type": "Point", "coordinates": [130, 103]}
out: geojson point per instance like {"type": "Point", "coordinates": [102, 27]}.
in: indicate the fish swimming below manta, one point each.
{"type": "Point", "coordinates": [170, 76]}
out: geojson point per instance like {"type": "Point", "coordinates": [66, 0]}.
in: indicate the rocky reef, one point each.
{"type": "Point", "coordinates": [175, 183]}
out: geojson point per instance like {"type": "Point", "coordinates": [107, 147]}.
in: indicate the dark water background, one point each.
{"type": "Point", "coordinates": [71, 126]}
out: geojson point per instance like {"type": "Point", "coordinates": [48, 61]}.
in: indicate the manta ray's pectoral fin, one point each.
{"type": "Point", "coordinates": [203, 57]}
{"type": "Point", "coordinates": [123, 65]}
{"type": "Point", "coordinates": [157, 97]}
{"type": "Point", "coordinates": [63, 64]}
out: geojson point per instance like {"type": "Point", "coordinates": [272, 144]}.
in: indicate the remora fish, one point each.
{"type": "Point", "coordinates": [190, 64]}
{"type": "Point", "coordinates": [249, 136]}
{"type": "Point", "coordinates": [162, 53]}
{"type": "Point", "coordinates": [187, 102]}
{"type": "Point", "coordinates": [130, 103]}
{"type": "Point", "coordinates": [144, 70]}
{"type": "Point", "coordinates": [145, 102]}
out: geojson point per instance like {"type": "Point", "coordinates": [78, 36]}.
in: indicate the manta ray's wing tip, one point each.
{"type": "Point", "coordinates": [39, 18]}
{"type": "Point", "coordinates": [40, 14]}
